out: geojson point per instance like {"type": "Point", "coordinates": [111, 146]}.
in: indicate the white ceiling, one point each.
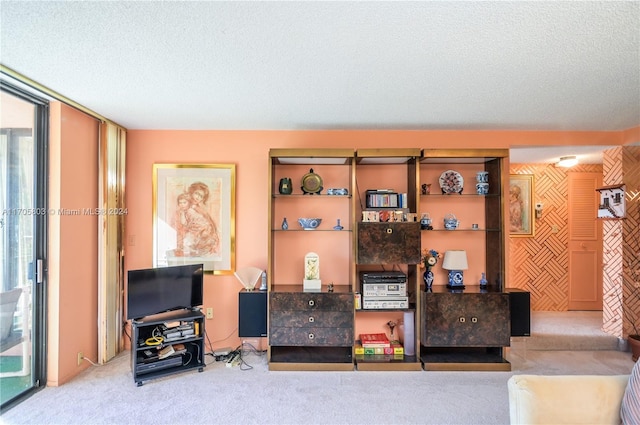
{"type": "Point", "coordinates": [559, 65]}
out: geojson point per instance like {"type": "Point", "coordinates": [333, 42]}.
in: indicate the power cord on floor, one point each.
{"type": "Point", "coordinates": [89, 360]}
{"type": "Point", "coordinates": [246, 349]}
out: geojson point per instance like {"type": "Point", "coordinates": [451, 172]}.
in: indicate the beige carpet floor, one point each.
{"type": "Point", "coordinates": [573, 330]}
{"type": "Point", "coordinates": [221, 395]}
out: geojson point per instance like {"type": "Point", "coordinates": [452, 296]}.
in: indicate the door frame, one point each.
{"type": "Point", "coordinates": [40, 253]}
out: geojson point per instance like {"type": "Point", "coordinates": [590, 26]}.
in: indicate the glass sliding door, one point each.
{"type": "Point", "coordinates": [23, 219]}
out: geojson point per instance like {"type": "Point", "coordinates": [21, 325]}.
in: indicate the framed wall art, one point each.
{"type": "Point", "coordinates": [194, 216]}
{"type": "Point", "coordinates": [612, 202]}
{"type": "Point", "coordinates": [521, 206]}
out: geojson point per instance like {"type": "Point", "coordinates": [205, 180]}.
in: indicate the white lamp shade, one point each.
{"type": "Point", "coordinates": [248, 276]}
{"type": "Point", "coordinates": [455, 260]}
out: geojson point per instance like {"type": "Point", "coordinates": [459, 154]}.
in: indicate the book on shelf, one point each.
{"type": "Point", "coordinates": [374, 340]}
{"type": "Point", "coordinates": [395, 349]}
{"type": "Point", "coordinates": [379, 357]}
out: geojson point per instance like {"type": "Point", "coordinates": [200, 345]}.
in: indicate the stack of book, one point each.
{"type": "Point", "coordinates": [377, 346]}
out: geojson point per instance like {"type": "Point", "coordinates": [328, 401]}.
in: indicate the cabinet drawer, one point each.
{"type": "Point", "coordinates": [389, 243]}
{"type": "Point", "coordinates": [310, 336]}
{"type": "Point", "coordinates": [312, 319]}
{"type": "Point", "coordinates": [306, 301]}
{"type": "Point", "coordinates": [471, 320]}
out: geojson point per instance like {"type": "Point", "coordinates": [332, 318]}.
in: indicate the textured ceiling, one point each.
{"type": "Point", "coordinates": [567, 65]}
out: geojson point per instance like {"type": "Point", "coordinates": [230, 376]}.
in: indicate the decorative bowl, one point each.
{"type": "Point", "coordinates": [309, 223]}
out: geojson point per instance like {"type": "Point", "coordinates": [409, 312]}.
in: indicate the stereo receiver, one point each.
{"type": "Point", "coordinates": [384, 289]}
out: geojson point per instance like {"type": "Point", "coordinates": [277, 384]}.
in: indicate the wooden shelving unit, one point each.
{"type": "Point", "coordinates": [318, 330]}
{"type": "Point", "coordinates": [311, 330]}
{"type": "Point", "coordinates": [388, 246]}
{"type": "Point", "coordinates": [468, 329]}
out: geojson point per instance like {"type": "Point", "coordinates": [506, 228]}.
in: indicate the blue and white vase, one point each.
{"type": "Point", "coordinates": [428, 278]}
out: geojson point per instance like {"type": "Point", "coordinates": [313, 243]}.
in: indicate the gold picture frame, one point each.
{"type": "Point", "coordinates": [521, 206]}
{"type": "Point", "coordinates": [194, 216]}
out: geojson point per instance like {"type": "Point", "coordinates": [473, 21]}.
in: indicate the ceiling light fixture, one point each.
{"type": "Point", "coordinates": [567, 161]}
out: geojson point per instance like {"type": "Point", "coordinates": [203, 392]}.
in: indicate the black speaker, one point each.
{"type": "Point", "coordinates": [520, 309]}
{"type": "Point", "coordinates": [252, 314]}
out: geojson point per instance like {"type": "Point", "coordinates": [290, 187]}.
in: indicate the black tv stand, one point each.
{"type": "Point", "coordinates": [183, 330]}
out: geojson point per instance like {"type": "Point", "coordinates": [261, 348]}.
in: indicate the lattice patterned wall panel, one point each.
{"type": "Point", "coordinates": [612, 166]}
{"type": "Point", "coordinates": [540, 264]}
{"type": "Point", "coordinates": [621, 245]}
{"type": "Point", "coordinates": [611, 277]}
{"type": "Point", "coordinates": [631, 239]}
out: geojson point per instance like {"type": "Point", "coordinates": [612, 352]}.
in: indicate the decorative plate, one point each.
{"type": "Point", "coordinates": [311, 182]}
{"type": "Point", "coordinates": [451, 182]}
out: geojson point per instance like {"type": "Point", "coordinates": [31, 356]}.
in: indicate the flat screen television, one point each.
{"type": "Point", "coordinates": [153, 291]}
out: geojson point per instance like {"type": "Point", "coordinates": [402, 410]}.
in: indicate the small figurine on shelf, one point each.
{"type": "Point", "coordinates": [338, 226]}
{"type": "Point", "coordinates": [285, 187]}
{"type": "Point", "coordinates": [330, 287]}
{"type": "Point", "coordinates": [285, 224]}
{"type": "Point", "coordinates": [426, 189]}
{"type": "Point", "coordinates": [392, 326]}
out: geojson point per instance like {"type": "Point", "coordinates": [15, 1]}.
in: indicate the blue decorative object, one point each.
{"type": "Point", "coordinates": [338, 226]}
{"type": "Point", "coordinates": [456, 279]}
{"type": "Point", "coordinates": [309, 223]}
{"type": "Point", "coordinates": [425, 222]}
{"type": "Point", "coordinates": [285, 225]}
{"type": "Point", "coordinates": [455, 261]}
{"type": "Point", "coordinates": [483, 281]}
{"type": "Point", "coordinates": [429, 259]}
{"type": "Point", "coordinates": [451, 222]}
{"type": "Point", "coordinates": [427, 276]}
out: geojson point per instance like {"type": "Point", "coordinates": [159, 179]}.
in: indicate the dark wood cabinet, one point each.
{"type": "Point", "coordinates": [311, 328]}
{"type": "Point", "coordinates": [311, 319]}
{"type": "Point", "coordinates": [465, 319]}
{"type": "Point", "coordinates": [389, 243]}
{"type": "Point", "coordinates": [464, 330]}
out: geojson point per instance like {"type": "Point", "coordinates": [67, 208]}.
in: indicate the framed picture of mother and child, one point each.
{"type": "Point", "coordinates": [521, 206]}
{"type": "Point", "coordinates": [194, 216]}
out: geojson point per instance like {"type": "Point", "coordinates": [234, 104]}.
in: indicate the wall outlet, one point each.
{"type": "Point", "coordinates": [80, 357]}
{"type": "Point", "coordinates": [209, 313]}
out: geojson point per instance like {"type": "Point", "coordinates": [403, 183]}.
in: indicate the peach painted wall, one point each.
{"type": "Point", "coordinates": [73, 243]}
{"type": "Point", "coordinates": [249, 151]}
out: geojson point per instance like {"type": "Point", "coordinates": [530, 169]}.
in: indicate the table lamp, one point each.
{"type": "Point", "coordinates": [248, 276]}
{"type": "Point", "coordinates": [455, 261]}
